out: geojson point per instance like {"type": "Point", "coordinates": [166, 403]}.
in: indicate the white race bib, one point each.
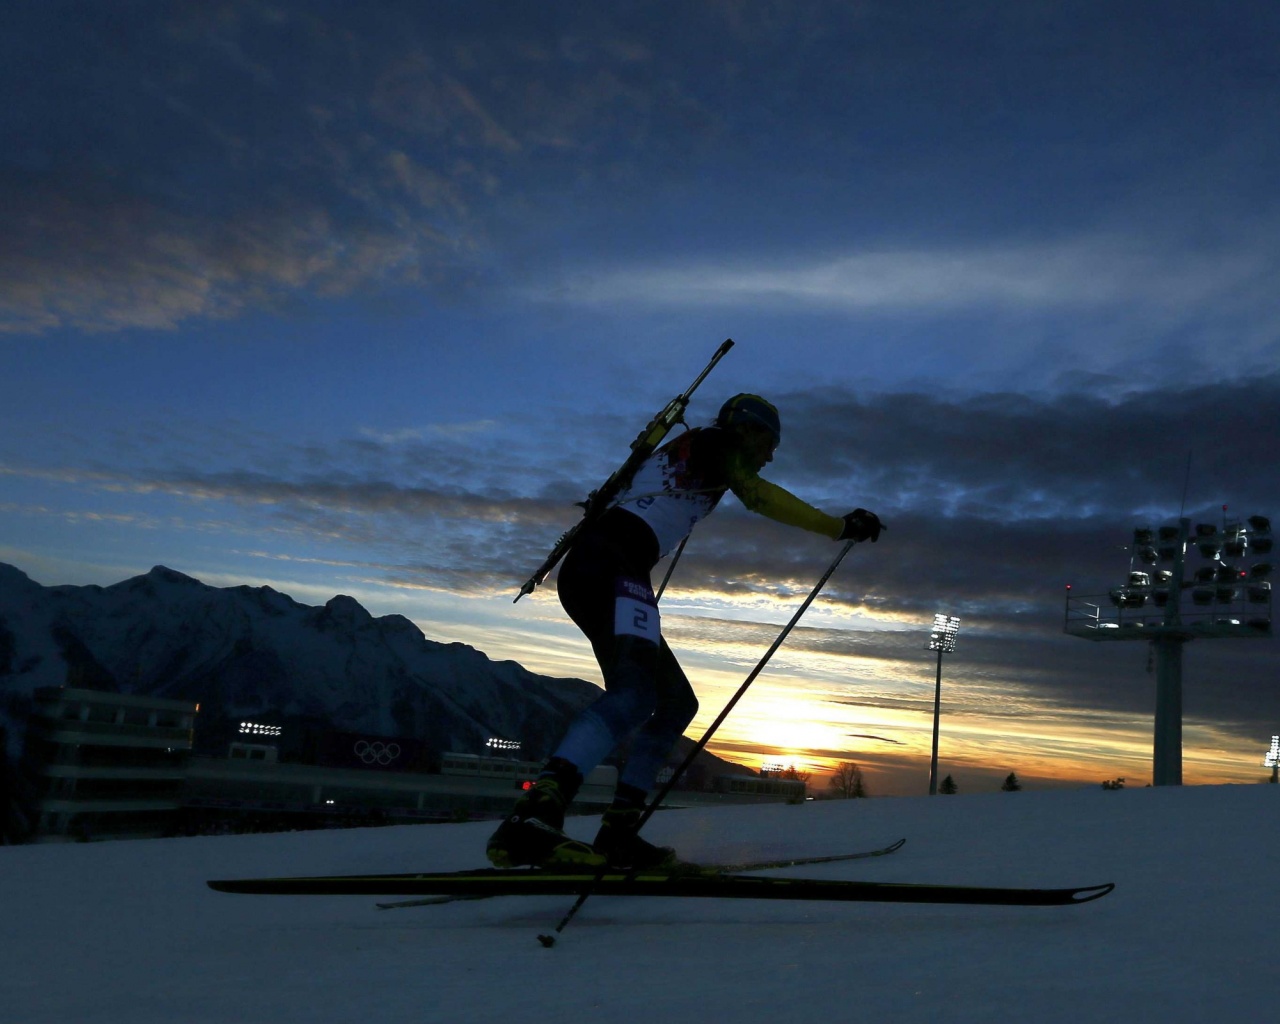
{"type": "Point", "coordinates": [636, 611]}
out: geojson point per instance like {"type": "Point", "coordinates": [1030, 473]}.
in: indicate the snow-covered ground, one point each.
{"type": "Point", "coordinates": [128, 932]}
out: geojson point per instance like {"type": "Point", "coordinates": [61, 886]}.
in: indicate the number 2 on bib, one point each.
{"type": "Point", "coordinates": [636, 612]}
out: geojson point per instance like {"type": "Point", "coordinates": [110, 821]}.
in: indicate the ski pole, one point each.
{"type": "Point", "coordinates": [656, 802]}
{"type": "Point", "coordinates": [698, 747]}
{"type": "Point", "coordinates": [671, 568]}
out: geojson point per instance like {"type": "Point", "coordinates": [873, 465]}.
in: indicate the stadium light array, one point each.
{"type": "Point", "coordinates": [1227, 600]}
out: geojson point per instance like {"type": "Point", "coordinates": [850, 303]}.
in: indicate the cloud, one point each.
{"type": "Point", "coordinates": [877, 739]}
{"type": "Point", "coordinates": [199, 162]}
{"type": "Point", "coordinates": [432, 430]}
{"type": "Point", "coordinates": [120, 261]}
{"type": "Point", "coordinates": [1088, 272]}
{"type": "Point", "coordinates": [994, 503]}
{"type": "Point", "coordinates": [1009, 458]}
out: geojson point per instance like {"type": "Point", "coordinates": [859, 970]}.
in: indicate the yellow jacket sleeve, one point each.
{"type": "Point", "coordinates": [779, 504]}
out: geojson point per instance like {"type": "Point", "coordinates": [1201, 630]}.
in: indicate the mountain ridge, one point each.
{"type": "Point", "coordinates": [242, 651]}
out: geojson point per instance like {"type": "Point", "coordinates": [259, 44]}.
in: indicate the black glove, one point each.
{"type": "Point", "coordinates": [861, 525]}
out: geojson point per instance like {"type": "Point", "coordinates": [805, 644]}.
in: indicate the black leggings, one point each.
{"type": "Point", "coordinates": [645, 688]}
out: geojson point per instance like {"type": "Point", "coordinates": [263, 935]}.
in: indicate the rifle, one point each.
{"type": "Point", "coordinates": [641, 448]}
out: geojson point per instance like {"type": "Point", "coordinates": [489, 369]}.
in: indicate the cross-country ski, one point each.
{"type": "Point", "coordinates": [716, 885]}
{"type": "Point", "coordinates": [741, 868]}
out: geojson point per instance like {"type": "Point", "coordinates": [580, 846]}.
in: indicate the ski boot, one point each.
{"type": "Point", "coordinates": [533, 834]}
{"type": "Point", "coordinates": [622, 848]}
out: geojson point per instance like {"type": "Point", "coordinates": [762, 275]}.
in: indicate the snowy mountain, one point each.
{"type": "Point", "coordinates": [245, 651]}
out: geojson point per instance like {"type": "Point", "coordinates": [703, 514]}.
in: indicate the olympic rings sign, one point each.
{"type": "Point", "coordinates": [376, 752]}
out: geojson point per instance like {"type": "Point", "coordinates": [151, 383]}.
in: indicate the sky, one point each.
{"type": "Point", "coordinates": [348, 300]}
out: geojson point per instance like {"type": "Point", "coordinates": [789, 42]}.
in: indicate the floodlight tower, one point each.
{"type": "Point", "coordinates": [942, 640]}
{"type": "Point", "coordinates": [1272, 760]}
{"type": "Point", "coordinates": [1227, 602]}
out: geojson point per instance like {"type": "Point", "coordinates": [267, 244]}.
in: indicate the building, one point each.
{"type": "Point", "coordinates": [105, 765]}
{"type": "Point", "coordinates": [760, 788]}
{"type": "Point", "coordinates": [100, 765]}
{"type": "Point", "coordinates": [253, 787]}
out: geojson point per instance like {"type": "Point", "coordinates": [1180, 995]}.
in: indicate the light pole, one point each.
{"type": "Point", "coordinates": [1227, 602]}
{"type": "Point", "coordinates": [942, 640]}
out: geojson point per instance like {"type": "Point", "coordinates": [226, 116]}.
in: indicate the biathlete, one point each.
{"type": "Point", "coordinates": [605, 587]}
